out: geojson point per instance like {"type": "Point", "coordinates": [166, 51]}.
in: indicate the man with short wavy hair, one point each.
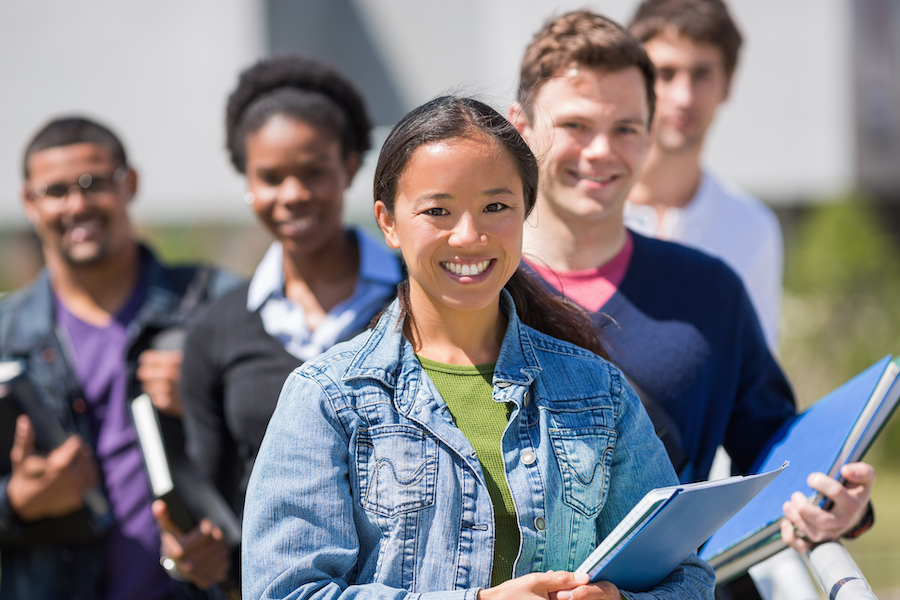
{"type": "Point", "coordinates": [676, 321]}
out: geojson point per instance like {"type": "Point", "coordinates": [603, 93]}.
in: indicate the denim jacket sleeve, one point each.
{"type": "Point", "coordinates": [300, 536]}
{"type": "Point", "coordinates": [640, 456]}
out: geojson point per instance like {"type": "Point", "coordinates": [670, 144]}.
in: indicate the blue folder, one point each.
{"type": "Point", "coordinates": [811, 441]}
{"type": "Point", "coordinates": [687, 515]}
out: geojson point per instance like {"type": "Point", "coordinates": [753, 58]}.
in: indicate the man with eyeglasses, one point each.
{"type": "Point", "coordinates": [84, 330]}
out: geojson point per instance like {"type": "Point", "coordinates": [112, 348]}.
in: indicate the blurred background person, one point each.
{"type": "Point", "coordinates": [678, 322]}
{"type": "Point", "coordinates": [694, 45]}
{"type": "Point", "coordinates": [297, 129]}
{"type": "Point", "coordinates": [83, 329]}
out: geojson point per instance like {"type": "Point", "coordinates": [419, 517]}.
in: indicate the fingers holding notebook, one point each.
{"type": "Point", "coordinates": [807, 524]}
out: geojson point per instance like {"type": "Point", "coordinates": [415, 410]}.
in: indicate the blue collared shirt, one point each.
{"type": "Point", "coordinates": [379, 274]}
{"type": "Point", "coordinates": [364, 487]}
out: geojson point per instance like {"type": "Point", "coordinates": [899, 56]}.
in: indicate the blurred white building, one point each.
{"type": "Point", "coordinates": [159, 72]}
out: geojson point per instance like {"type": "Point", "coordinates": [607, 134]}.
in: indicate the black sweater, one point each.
{"type": "Point", "coordinates": [231, 378]}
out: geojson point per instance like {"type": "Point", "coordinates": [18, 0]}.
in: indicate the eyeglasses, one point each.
{"type": "Point", "coordinates": [88, 184]}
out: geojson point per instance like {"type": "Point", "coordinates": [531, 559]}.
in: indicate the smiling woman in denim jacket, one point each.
{"type": "Point", "coordinates": [456, 450]}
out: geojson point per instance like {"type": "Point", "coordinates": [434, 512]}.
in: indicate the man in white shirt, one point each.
{"type": "Point", "coordinates": [694, 45]}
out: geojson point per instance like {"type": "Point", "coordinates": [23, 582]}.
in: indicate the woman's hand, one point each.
{"type": "Point", "coordinates": [552, 585]}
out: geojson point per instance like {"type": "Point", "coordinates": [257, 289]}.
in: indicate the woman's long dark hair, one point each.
{"type": "Point", "coordinates": [451, 117]}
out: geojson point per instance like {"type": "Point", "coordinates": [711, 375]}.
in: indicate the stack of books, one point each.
{"type": "Point", "coordinates": [739, 518]}
{"type": "Point", "coordinates": [838, 429]}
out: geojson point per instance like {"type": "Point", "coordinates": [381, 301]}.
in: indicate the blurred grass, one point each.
{"type": "Point", "coordinates": [238, 248]}
{"type": "Point", "coordinates": [842, 284]}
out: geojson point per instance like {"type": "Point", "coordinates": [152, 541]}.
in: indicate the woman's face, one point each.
{"type": "Point", "coordinates": [457, 221]}
{"type": "Point", "coordinates": [297, 175]}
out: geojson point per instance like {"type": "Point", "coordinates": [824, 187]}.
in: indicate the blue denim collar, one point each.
{"type": "Point", "coordinates": [376, 264]}
{"type": "Point", "coordinates": [388, 357]}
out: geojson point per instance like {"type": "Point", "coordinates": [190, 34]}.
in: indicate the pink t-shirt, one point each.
{"type": "Point", "coordinates": [590, 288]}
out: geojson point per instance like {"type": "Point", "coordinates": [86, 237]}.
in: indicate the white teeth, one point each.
{"type": "Point", "coordinates": [83, 230]}
{"type": "Point", "coordinates": [606, 179]}
{"type": "Point", "coordinates": [466, 270]}
{"type": "Point", "coordinates": [297, 225]}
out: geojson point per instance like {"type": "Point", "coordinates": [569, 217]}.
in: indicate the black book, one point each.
{"type": "Point", "coordinates": [189, 496]}
{"type": "Point", "coordinates": [174, 479]}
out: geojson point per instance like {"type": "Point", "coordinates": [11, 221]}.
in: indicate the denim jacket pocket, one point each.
{"type": "Point", "coordinates": [397, 469]}
{"type": "Point", "coordinates": [584, 456]}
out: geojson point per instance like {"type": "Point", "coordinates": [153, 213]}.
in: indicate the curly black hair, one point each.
{"type": "Point", "coordinates": [300, 87]}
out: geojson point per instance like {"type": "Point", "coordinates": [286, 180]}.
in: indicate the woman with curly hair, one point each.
{"type": "Point", "coordinates": [297, 129]}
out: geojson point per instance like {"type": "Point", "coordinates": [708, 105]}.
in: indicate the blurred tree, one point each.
{"type": "Point", "coordinates": [842, 298]}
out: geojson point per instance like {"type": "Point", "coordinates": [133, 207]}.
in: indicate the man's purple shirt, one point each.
{"type": "Point", "coordinates": [132, 568]}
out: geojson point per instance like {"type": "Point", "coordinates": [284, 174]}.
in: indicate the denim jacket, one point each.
{"type": "Point", "coordinates": [35, 564]}
{"type": "Point", "coordinates": [365, 488]}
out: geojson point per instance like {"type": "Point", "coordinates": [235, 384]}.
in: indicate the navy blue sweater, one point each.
{"type": "Point", "coordinates": [682, 329]}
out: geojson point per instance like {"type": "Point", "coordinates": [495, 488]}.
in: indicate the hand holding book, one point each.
{"type": "Point", "coordinates": [563, 585]}
{"type": "Point", "coordinates": [53, 473]}
{"type": "Point", "coordinates": [196, 525]}
{"type": "Point", "coordinates": [52, 485]}
{"type": "Point", "coordinates": [201, 555]}
{"type": "Point", "coordinates": [806, 523]}
{"type": "Point", "coordinates": [833, 433]}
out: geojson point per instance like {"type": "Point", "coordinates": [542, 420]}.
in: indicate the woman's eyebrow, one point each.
{"type": "Point", "coordinates": [497, 191]}
{"type": "Point", "coordinates": [433, 196]}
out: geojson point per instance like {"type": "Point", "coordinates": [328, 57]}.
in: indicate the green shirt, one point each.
{"type": "Point", "coordinates": [468, 392]}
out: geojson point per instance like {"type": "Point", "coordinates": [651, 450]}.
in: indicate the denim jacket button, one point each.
{"type": "Point", "coordinates": [540, 524]}
{"type": "Point", "coordinates": [525, 398]}
{"type": "Point", "coordinates": [528, 457]}
{"type": "Point", "coordinates": [503, 384]}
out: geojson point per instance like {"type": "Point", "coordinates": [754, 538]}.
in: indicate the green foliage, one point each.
{"type": "Point", "coordinates": [841, 310]}
{"type": "Point", "coordinates": [842, 247]}
{"type": "Point", "coordinates": [238, 248]}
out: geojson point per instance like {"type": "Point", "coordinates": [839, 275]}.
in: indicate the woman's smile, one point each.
{"type": "Point", "coordinates": [462, 269]}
